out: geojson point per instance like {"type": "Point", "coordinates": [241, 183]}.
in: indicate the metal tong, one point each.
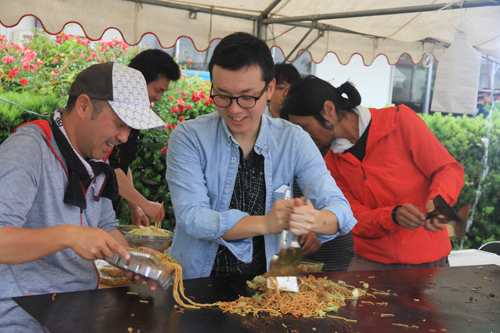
{"type": "Point", "coordinates": [284, 265]}
{"type": "Point", "coordinates": [441, 207]}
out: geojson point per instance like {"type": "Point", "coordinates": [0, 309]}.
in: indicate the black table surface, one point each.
{"type": "Point", "coordinates": [457, 299]}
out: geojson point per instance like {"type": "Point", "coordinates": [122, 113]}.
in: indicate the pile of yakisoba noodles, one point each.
{"type": "Point", "coordinates": [316, 297]}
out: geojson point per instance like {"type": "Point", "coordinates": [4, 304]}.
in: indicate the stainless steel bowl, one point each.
{"type": "Point", "coordinates": [126, 228]}
{"type": "Point", "coordinates": [158, 243]}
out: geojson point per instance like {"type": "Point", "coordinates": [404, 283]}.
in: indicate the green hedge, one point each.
{"type": "Point", "coordinates": [462, 136]}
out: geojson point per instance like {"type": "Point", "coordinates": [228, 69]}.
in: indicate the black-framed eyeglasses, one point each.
{"type": "Point", "coordinates": [246, 102]}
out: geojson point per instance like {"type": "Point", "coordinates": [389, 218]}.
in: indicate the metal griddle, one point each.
{"type": "Point", "coordinates": [443, 304]}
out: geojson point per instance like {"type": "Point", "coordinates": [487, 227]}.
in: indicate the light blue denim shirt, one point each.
{"type": "Point", "coordinates": [202, 163]}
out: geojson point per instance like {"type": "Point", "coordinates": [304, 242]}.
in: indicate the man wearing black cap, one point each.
{"type": "Point", "coordinates": [56, 215]}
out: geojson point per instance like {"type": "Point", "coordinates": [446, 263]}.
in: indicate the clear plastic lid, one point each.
{"type": "Point", "coordinates": [146, 264]}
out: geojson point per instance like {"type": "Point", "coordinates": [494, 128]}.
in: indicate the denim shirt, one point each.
{"type": "Point", "coordinates": [202, 163]}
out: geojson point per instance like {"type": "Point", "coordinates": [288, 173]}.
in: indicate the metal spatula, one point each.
{"type": "Point", "coordinates": [456, 220]}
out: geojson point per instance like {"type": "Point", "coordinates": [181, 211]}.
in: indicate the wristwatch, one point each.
{"type": "Point", "coordinates": [393, 214]}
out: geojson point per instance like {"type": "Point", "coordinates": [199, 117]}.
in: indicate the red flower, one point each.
{"type": "Point", "coordinates": [196, 98]}
{"type": "Point", "coordinates": [207, 102]}
{"type": "Point", "coordinates": [169, 127]}
{"type": "Point", "coordinates": [24, 82]}
{"type": "Point", "coordinates": [164, 151]}
{"type": "Point", "coordinates": [189, 107]}
{"type": "Point", "coordinates": [54, 62]}
{"type": "Point", "coordinates": [13, 72]}
{"type": "Point", "coordinates": [181, 118]}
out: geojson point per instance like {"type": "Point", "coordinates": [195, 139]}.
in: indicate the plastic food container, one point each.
{"type": "Point", "coordinates": [146, 264]}
{"type": "Point", "coordinates": [158, 243]}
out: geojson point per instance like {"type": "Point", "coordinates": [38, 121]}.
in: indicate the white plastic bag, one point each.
{"type": "Point", "coordinates": [457, 77]}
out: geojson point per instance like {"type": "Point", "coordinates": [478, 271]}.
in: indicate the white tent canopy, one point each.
{"type": "Point", "coordinates": [344, 27]}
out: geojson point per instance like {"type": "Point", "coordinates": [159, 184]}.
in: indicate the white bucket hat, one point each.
{"type": "Point", "coordinates": [124, 88]}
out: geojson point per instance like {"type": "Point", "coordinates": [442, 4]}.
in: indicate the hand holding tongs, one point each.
{"type": "Point", "coordinates": [441, 207]}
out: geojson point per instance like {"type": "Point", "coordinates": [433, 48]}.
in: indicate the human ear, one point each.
{"type": "Point", "coordinates": [270, 89]}
{"type": "Point", "coordinates": [84, 105]}
{"type": "Point", "coordinates": [329, 108]}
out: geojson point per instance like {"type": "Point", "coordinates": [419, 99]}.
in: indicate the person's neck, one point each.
{"type": "Point", "coordinates": [246, 142]}
{"type": "Point", "coordinates": [348, 128]}
{"type": "Point", "coordinates": [274, 113]}
{"type": "Point", "coordinates": [70, 131]}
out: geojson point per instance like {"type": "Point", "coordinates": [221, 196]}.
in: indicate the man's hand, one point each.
{"type": "Point", "coordinates": [433, 224]}
{"type": "Point", "coordinates": [154, 210]}
{"type": "Point", "coordinates": [303, 218]}
{"type": "Point", "coordinates": [93, 243]}
{"type": "Point", "coordinates": [139, 279]}
{"type": "Point", "coordinates": [409, 216]}
{"type": "Point", "coordinates": [138, 217]}
{"type": "Point", "coordinates": [278, 217]}
{"type": "Point", "coordinates": [310, 244]}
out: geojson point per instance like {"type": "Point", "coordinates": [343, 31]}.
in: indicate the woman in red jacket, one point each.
{"type": "Point", "coordinates": [389, 165]}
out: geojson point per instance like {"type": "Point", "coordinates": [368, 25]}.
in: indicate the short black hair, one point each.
{"type": "Point", "coordinates": [286, 73]}
{"type": "Point", "coordinates": [155, 63]}
{"type": "Point", "coordinates": [98, 104]}
{"type": "Point", "coordinates": [307, 97]}
{"type": "Point", "coordinates": [240, 50]}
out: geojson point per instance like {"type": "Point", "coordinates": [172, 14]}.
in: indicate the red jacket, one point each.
{"type": "Point", "coordinates": [404, 163]}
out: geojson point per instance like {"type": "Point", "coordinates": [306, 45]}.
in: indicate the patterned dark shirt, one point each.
{"type": "Point", "coordinates": [249, 196]}
{"type": "Point", "coordinates": [123, 155]}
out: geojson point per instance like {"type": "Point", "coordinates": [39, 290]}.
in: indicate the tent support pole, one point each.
{"type": "Point", "coordinates": [259, 28]}
{"type": "Point", "coordinates": [313, 26]}
{"type": "Point", "coordinates": [321, 33]}
{"type": "Point", "coordinates": [387, 11]}
{"type": "Point", "coordinates": [427, 101]}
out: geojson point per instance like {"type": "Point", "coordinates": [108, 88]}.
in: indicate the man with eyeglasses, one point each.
{"type": "Point", "coordinates": [229, 173]}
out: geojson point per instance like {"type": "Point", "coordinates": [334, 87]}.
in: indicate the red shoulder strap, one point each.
{"type": "Point", "coordinates": [45, 127]}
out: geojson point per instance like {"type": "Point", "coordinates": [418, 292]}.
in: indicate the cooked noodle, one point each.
{"type": "Point", "coordinates": [315, 298]}
{"type": "Point", "coordinates": [174, 268]}
{"type": "Point", "coordinates": [150, 231]}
